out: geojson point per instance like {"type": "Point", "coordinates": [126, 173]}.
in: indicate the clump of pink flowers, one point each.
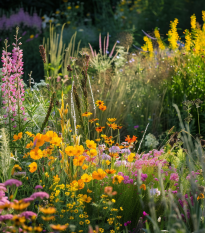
{"type": "Point", "coordinates": [12, 84]}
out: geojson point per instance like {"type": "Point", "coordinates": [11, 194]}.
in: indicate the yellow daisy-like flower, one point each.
{"type": "Point", "coordinates": [31, 36]}
{"type": "Point", "coordinates": [86, 114]}
{"type": "Point", "coordinates": [17, 137]}
{"type": "Point", "coordinates": [111, 119]}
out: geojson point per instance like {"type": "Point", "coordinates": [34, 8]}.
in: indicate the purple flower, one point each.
{"type": "Point", "coordinates": [174, 192]}
{"type": "Point", "coordinates": [136, 126]}
{"type": "Point", "coordinates": [145, 214]}
{"type": "Point", "coordinates": [143, 177]}
{"type": "Point", "coordinates": [174, 176]}
{"type": "Point", "coordinates": [38, 187]}
{"type": "Point", "coordinates": [6, 217]}
{"type": "Point", "coordinates": [13, 182]}
{"type": "Point", "coordinates": [24, 33]}
{"type": "Point", "coordinates": [28, 199]}
{"type": "Point", "coordinates": [28, 214]}
{"type": "Point", "coordinates": [40, 195]}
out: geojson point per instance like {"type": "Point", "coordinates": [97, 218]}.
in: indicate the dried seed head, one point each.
{"type": "Point", "coordinates": [42, 52]}
{"type": "Point", "coordinates": [69, 68]}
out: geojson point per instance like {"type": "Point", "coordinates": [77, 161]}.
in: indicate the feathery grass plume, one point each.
{"type": "Point", "coordinates": [125, 39]}
{"type": "Point", "coordinates": [5, 155]}
{"type": "Point", "coordinates": [48, 112]}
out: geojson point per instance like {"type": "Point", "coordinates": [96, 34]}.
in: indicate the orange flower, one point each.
{"type": "Point", "coordinates": [130, 140]}
{"type": "Point", "coordinates": [50, 135]}
{"type": "Point", "coordinates": [17, 137]}
{"type": "Point", "coordinates": [39, 140]}
{"type": "Point", "coordinates": [102, 107]}
{"type": "Point", "coordinates": [33, 167]}
{"type": "Point", "coordinates": [143, 186]}
{"type": "Point", "coordinates": [36, 153]}
{"type": "Point", "coordinates": [99, 175]}
{"type": "Point", "coordinates": [111, 119]}
{"type": "Point", "coordinates": [93, 120]}
{"type": "Point", "coordinates": [58, 227]}
{"type": "Point", "coordinates": [78, 161]}
{"type": "Point", "coordinates": [86, 114]}
{"type": "Point", "coordinates": [93, 153]}
{"type": "Point", "coordinates": [119, 127]}
{"type": "Point", "coordinates": [29, 145]}
{"type": "Point", "coordinates": [100, 128]}
{"type": "Point", "coordinates": [97, 139]}
{"type": "Point", "coordinates": [112, 154]}
{"type": "Point", "coordinates": [79, 150]}
{"type": "Point", "coordinates": [81, 184]}
{"type": "Point", "coordinates": [110, 171]}
{"type": "Point", "coordinates": [108, 190]}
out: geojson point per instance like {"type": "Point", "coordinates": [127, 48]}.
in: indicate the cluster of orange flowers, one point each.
{"type": "Point", "coordinates": [101, 105]}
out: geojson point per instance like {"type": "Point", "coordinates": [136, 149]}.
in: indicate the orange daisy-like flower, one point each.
{"type": "Point", "coordinates": [99, 174]}
{"type": "Point", "coordinates": [130, 140]}
{"type": "Point", "coordinates": [111, 119]}
{"type": "Point", "coordinates": [58, 227]}
{"type": "Point", "coordinates": [39, 140]}
{"type": "Point", "coordinates": [86, 178]}
{"type": "Point", "coordinates": [86, 199]}
{"type": "Point", "coordinates": [17, 137]}
{"type": "Point", "coordinates": [86, 114]}
{"type": "Point", "coordinates": [102, 107]}
{"type": "Point", "coordinates": [117, 179]}
{"type": "Point", "coordinates": [110, 171]}
{"type": "Point", "coordinates": [79, 160]}
{"type": "Point", "coordinates": [36, 153]}
{"type": "Point", "coordinates": [119, 127]}
{"type": "Point", "coordinates": [56, 141]}
{"type": "Point", "coordinates": [93, 120]}
{"type": "Point", "coordinates": [99, 102]}
{"type": "Point", "coordinates": [50, 135]}
{"type": "Point", "coordinates": [100, 128]}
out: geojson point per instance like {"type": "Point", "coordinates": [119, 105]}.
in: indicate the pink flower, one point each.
{"type": "Point", "coordinates": [174, 176]}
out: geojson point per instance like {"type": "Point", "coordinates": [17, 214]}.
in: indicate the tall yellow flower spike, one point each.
{"type": "Point", "coordinates": [63, 112]}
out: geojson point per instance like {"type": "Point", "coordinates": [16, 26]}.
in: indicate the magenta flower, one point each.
{"type": "Point", "coordinates": [40, 195]}
{"type": "Point", "coordinates": [143, 177]}
{"type": "Point", "coordinates": [28, 199]}
{"type": "Point", "coordinates": [13, 182]}
{"type": "Point", "coordinates": [174, 176]}
{"type": "Point", "coordinates": [38, 187]}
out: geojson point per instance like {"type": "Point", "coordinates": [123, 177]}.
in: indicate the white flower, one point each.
{"type": "Point", "coordinates": [154, 191]}
{"type": "Point", "coordinates": [151, 141]}
{"type": "Point", "coordinates": [159, 219]}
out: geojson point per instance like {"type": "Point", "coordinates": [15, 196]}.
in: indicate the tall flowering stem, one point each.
{"type": "Point", "coordinates": [12, 84]}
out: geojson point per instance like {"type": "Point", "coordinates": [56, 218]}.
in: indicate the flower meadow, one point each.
{"type": "Point", "coordinates": [68, 158]}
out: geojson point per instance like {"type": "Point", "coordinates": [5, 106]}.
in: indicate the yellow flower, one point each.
{"type": "Point", "coordinates": [30, 134]}
{"type": "Point", "coordinates": [90, 144]}
{"type": "Point", "coordinates": [117, 179]}
{"type": "Point", "coordinates": [86, 178]}
{"type": "Point", "coordinates": [93, 153]}
{"type": "Point", "coordinates": [31, 36]}
{"type": "Point", "coordinates": [49, 210]}
{"type": "Point", "coordinates": [86, 114]}
{"type": "Point", "coordinates": [16, 167]}
{"type": "Point", "coordinates": [76, 211]}
{"type": "Point", "coordinates": [70, 150]}
{"type": "Point", "coordinates": [67, 193]}
{"type": "Point", "coordinates": [84, 167]}
{"type": "Point", "coordinates": [130, 157]}
{"type": "Point", "coordinates": [77, 6]}
{"type": "Point", "coordinates": [46, 175]}
{"type": "Point", "coordinates": [56, 179]}
{"type": "Point", "coordinates": [89, 191]}
{"type": "Point", "coordinates": [69, 7]}
{"type": "Point", "coordinates": [121, 208]}
{"type": "Point", "coordinates": [193, 21]}
{"type": "Point", "coordinates": [113, 200]}
{"type": "Point", "coordinates": [108, 162]}
{"type": "Point", "coordinates": [33, 167]}
{"type": "Point", "coordinates": [99, 102]}
{"type": "Point", "coordinates": [111, 119]}
{"type": "Point", "coordinates": [50, 135]}
{"type": "Point", "coordinates": [78, 150]}
{"type": "Point", "coordinates": [17, 137]}
{"type": "Point", "coordinates": [87, 221]}
{"type": "Point", "coordinates": [97, 139]}
{"type": "Point", "coordinates": [86, 199]}
{"type": "Point", "coordinates": [68, 22]}
{"type": "Point", "coordinates": [56, 141]}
